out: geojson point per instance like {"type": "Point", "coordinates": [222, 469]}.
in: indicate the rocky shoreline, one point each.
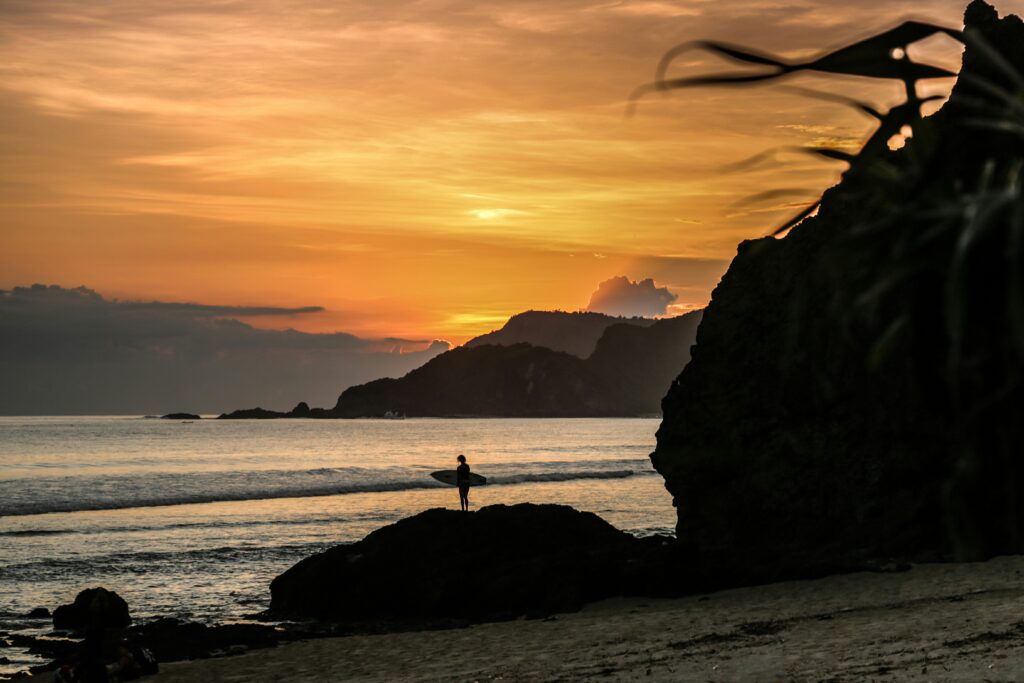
{"type": "Point", "coordinates": [499, 563]}
{"type": "Point", "coordinates": [935, 622]}
{"type": "Point", "coordinates": [437, 570]}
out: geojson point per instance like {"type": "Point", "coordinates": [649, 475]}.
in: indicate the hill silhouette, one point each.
{"type": "Point", "coordinates": [631, 367]}
{"type": "Point", "coordinates": [626, 375]}
{"type": "Point", "coordinates": [575, 333]}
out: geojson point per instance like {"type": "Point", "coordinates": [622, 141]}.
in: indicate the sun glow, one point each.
{"type": "Point", "coordinates": [391, 162]}
{"type": "Point", "coordinates": [493, 214]}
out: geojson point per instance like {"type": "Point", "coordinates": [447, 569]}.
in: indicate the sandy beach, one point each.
{"type": "Point", "coordinates": [934, 622]}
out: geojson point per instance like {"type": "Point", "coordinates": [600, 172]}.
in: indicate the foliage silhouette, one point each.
{"type": "Point", "coordinates": [883, 56]}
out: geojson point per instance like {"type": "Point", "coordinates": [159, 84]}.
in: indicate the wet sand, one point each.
{"type": "Point", "coordinates": [939, 622]}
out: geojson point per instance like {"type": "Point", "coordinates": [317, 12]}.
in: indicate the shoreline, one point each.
{"type": "Point", "coordinates": [956, 621]}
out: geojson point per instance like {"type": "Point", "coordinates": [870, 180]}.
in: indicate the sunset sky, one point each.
{"type": "Point", "coordinates": [420, 169]}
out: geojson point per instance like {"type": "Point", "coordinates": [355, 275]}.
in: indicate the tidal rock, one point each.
{"type": "Point", "coordinates": [93, 608]}
{"type": "Point", "coordinates": [38, 613]}
{"type": "Point", "coordinates": [181, 416]}
{"type": "Point", "coordinates": [252, 414]}
{"type": "Point", "coordinates": [172, 640]}
{"type": "Point", "coordinates": [499, 562]}
{"type": "Point", "coordinates": [168, 639]}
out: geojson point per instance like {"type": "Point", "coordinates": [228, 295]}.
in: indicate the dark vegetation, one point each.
{"type": "Point", "coordinates": [626, 374]}
{"type": "Point", "coordinates": [877, 414]}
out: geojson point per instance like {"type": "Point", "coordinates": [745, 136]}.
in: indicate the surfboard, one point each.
{"type": "Point", "coordinates": [448, 477]}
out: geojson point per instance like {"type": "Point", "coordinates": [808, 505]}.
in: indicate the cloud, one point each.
{"type": "Point", "coordinates": [344, 148]}
{"type": "Point", "coordinates": [73, 351]}
{"type": "Point", "coordinates": [58, 297]}
{"type": "Point", "coordinates": [621, 296]}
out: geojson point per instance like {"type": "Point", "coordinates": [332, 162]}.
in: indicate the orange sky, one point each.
{"type": "Point", "coordinates": [420, 168]}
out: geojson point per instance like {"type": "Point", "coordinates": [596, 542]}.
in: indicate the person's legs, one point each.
{"type": "Point", "coordinates": [464, 498]}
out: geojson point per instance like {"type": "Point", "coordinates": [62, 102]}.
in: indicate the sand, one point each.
{"type": "Point", "coordinates": [935, 622]}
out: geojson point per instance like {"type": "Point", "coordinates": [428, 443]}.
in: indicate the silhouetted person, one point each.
{"type": "Point", "coordinates": [462, 480]}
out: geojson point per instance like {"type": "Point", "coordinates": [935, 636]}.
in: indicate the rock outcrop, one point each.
{"type": "Point", "coordinates": [168, 640]}
{"type": "Point", "coordinates": [300, 410]}
{"type": "Point", "coordinates": [497, 563]}
{"type": "Point", "coordinates": [93, 608]}
{"type": "Point", "coordinates": [853, 387]}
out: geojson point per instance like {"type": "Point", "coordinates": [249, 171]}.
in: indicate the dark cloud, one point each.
{"type": "Point", "coordinates": [56, 297]}
{"type": "Point", "coordinates": [72, 351]}
{"type": "Point", "coordinates": [622, 296]}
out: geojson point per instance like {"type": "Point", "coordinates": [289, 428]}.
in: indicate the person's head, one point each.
{"type": "Point", "coordinates": [461, 458]}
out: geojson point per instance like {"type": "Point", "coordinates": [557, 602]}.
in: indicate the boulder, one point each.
{"type": "Point", "coordinates": [38, 613]}
{"type": "Point", "coordinates": [499, 562]}
{"type": "Point", "coordinates": [93, 608]}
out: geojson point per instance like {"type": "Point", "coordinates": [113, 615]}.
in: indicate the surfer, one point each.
{"type": "Point", "coordinates": [462, 480]}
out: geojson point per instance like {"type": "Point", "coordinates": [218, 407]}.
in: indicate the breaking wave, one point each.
{"type": "Point", "coordinates": [63, 494]}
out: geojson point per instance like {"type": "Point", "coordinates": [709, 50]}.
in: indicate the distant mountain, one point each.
{"type": "Point", "coordinates": [575, 333]}
{"type": "Point", "coordinates": [628, 373]}
{"type": "Point", "coordinates": [73, 351]}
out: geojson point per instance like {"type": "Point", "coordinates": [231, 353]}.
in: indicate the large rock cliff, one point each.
{"type": "Point", "coordinates": [853, 390]}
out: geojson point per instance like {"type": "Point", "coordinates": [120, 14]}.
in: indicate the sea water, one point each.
{"type": "Point", "coordinates": [194, 519]}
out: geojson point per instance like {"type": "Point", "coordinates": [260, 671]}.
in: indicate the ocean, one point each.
{"type": "Point", "coordinates": [194, 519]}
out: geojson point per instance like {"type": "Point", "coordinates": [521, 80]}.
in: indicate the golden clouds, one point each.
{"type": "Point", "coordinates": [411, 162]}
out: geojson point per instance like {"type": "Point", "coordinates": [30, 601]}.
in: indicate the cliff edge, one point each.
{"type": "Point", "coordinates": [852, 390]}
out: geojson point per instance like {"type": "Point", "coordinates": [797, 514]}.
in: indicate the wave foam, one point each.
{"type": "Point", "coordinates": [246, 487]}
